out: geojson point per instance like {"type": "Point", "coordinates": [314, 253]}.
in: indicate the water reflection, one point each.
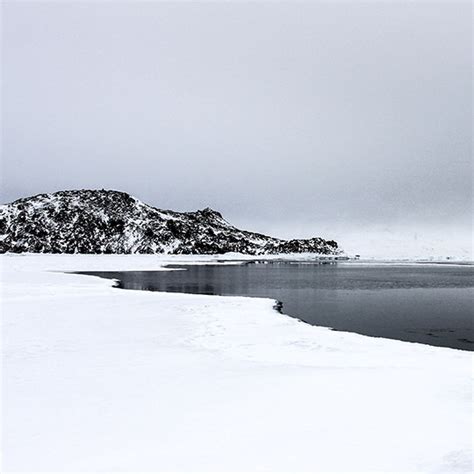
{"type": "Point", "coordinates": [428, 304]}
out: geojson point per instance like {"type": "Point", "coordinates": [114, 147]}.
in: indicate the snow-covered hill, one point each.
{"type": "Point", "coordinates": [100, 221]}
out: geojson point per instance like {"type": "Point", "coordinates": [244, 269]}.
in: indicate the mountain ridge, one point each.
{"type": "Point", "coordinates": [108, 221]}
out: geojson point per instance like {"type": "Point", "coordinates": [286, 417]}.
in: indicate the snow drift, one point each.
{"type": "Point", "coordinates": [101, 379]}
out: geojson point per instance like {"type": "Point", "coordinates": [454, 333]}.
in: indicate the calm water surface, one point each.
{"type": "Point", "coordinates": [431, 304]}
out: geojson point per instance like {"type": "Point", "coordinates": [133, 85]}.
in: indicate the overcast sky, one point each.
{"type": "Point", "coordinates": [339, 119]}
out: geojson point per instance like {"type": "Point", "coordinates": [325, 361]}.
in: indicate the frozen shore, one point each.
{"type": "Point", "coordinates": [101, 379]}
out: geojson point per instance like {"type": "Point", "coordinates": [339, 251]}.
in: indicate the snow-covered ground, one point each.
{"type": "Point", "coordinates": [101, 379]}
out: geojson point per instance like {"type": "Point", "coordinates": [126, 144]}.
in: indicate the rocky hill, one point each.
{"type": "Point", "coordinates": [100, 221]}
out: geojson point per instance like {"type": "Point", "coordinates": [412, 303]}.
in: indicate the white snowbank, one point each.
{"type": "Point", "coordinates": [101, 379]}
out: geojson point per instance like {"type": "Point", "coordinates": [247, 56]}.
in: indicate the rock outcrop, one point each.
{"type": "Point", "coordinates": [100, 221]}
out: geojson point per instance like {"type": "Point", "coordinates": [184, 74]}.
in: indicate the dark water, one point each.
{"type": "Point", "coordinates": [420, 303]}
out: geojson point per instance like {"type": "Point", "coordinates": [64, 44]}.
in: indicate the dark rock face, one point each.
{"type": "Point", "coordinates": [94, 222]}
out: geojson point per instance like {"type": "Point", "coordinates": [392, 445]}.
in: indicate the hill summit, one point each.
{"type": "Point", "coordinates": [113, 222]}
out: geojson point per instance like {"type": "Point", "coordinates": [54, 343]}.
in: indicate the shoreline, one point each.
{"type": "Point", "coordinates": [456, 334]}
{"type": "Point", "coordinates": [97, 379]}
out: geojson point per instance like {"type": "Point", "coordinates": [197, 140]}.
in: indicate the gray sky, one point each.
{"type": "Point", "coordinates": [342, 119]}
